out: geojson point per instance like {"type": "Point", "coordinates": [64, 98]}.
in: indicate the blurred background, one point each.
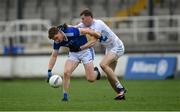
{"type": "Point", "coordinates": [145, 26]}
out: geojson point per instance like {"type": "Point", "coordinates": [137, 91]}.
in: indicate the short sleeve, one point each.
{"type": "Point", "coordinates": [56, 46]}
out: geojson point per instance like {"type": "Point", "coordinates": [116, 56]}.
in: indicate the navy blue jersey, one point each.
{"type": "Point", "coordinates": [74, 38]}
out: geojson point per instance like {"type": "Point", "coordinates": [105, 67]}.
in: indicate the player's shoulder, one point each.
{"type": "Point", "coordinates": [70, 29]}
{"type": "Point", "coordinates": [98, 21]}
{"type": "Point", "coordinates": [80, 25]}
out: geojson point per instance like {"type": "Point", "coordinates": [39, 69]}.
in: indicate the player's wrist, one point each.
{"type": "Point", "coordinates": [49, 74]}
{"type": "Point", "coordinates": [80, 48]}
{"type": "Point", "coordinates": [49, 70]}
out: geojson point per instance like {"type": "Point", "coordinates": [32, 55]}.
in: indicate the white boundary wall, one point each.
{"type": "Point", "coordinates": [36, 66]}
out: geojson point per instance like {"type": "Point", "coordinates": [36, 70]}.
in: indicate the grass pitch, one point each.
{"type": "Point", "coordinates": [31, 95]}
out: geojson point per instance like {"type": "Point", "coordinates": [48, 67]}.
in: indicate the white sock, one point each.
{"type": "Point", "coordinates": [118, 85]}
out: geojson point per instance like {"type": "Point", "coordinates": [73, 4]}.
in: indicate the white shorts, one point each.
{"type": "Point", "coordinates": [84, 56]}
{"type": "Point", "coordinates": [117, 47]}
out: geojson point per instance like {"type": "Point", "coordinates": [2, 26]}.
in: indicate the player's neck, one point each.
{"type": "Point", "coordinates": [65, 38]}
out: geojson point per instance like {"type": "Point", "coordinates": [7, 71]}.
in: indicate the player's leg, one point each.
{"type": "Point", "coordinates": [107, 60]}
{"type": "Point", "coordinates": [70, 66]}
{"type": "Point", "coordinates": [108, 64]}
{"type": "Point", "coordinates": [113, 65]}
{"type": "Point", "coordinates": [111, 81]}
{"type": "Point", "coordinates": [92, 73]}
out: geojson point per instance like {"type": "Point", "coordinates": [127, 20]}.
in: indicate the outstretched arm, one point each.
{"type": "Point", "coordinates": [91, 41]}
{"type": "Point", "coordinates": [93, 33]}
{"type": "Point", "coordinates": [52, 59]}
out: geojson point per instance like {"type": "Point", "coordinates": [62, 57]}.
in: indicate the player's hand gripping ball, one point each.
{"type": "Point", "coordinates": [55, 81]}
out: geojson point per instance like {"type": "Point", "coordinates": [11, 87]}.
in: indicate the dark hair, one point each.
{"type": "Point", "coordinates": [55, 29]}
{"type": "Point", "coordinates": [86, 12]}
{"type": "Point", "coordinates": [62, 27]}
{"type": "Point", "coordinates": [52, 32]}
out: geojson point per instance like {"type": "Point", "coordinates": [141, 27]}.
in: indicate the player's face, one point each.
{"type": "Point", "coordinates": [58, 37]}
{"type": "Point", "coordinates": [86, 20]}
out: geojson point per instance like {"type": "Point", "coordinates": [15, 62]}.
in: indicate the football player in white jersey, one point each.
{"type": "Point", "coordinates": [114, 49]}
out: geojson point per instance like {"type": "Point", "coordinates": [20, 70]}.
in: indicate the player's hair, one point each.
{"type": "Point", "coordinates": [52, 31]}
{"type": "Point", "coordinates": [86, 12]}
{"type": "Point", "coordinates": [62, 27]}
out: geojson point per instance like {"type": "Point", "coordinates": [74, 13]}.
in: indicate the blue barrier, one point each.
{"type": "Point", "coordinates": [150, 67]}
{"type": "Point", "coordinates": [13, 50]}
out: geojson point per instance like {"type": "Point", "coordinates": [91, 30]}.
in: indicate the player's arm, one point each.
{"type": "Point", "coordinates": [52, 59]}
{"type": "Point", "coordinates": [91, 41]}
{"type": "Point", "coordinates": [93, 33]}
{"type": "Point", "coordinates": [51, 64]}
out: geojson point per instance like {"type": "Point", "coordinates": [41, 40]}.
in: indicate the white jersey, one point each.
{"type": "Point", "coordinates": [108, 38]}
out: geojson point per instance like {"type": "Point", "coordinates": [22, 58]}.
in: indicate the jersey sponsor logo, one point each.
{"type": "Point", "coordinates": [69, 34]}
{"type": "Point", "coordinates": [103, 38]}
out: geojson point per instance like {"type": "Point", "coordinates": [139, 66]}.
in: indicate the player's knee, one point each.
{"type": "Point", "coordinates": [103, 65]}
{"type": "Point", "coordinates": [90, 79]}
{"type": "Point", "coordinates": [66, 74]}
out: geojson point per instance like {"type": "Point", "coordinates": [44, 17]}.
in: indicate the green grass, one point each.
{"type": "Point", "coordinates": [141, 95]}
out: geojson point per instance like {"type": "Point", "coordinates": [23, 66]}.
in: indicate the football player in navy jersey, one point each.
{"type": "Point", "coordinates": [76, 39]}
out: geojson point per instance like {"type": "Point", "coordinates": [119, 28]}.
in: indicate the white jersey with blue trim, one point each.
{"type": "Point", "coordinates": [108, 37]}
